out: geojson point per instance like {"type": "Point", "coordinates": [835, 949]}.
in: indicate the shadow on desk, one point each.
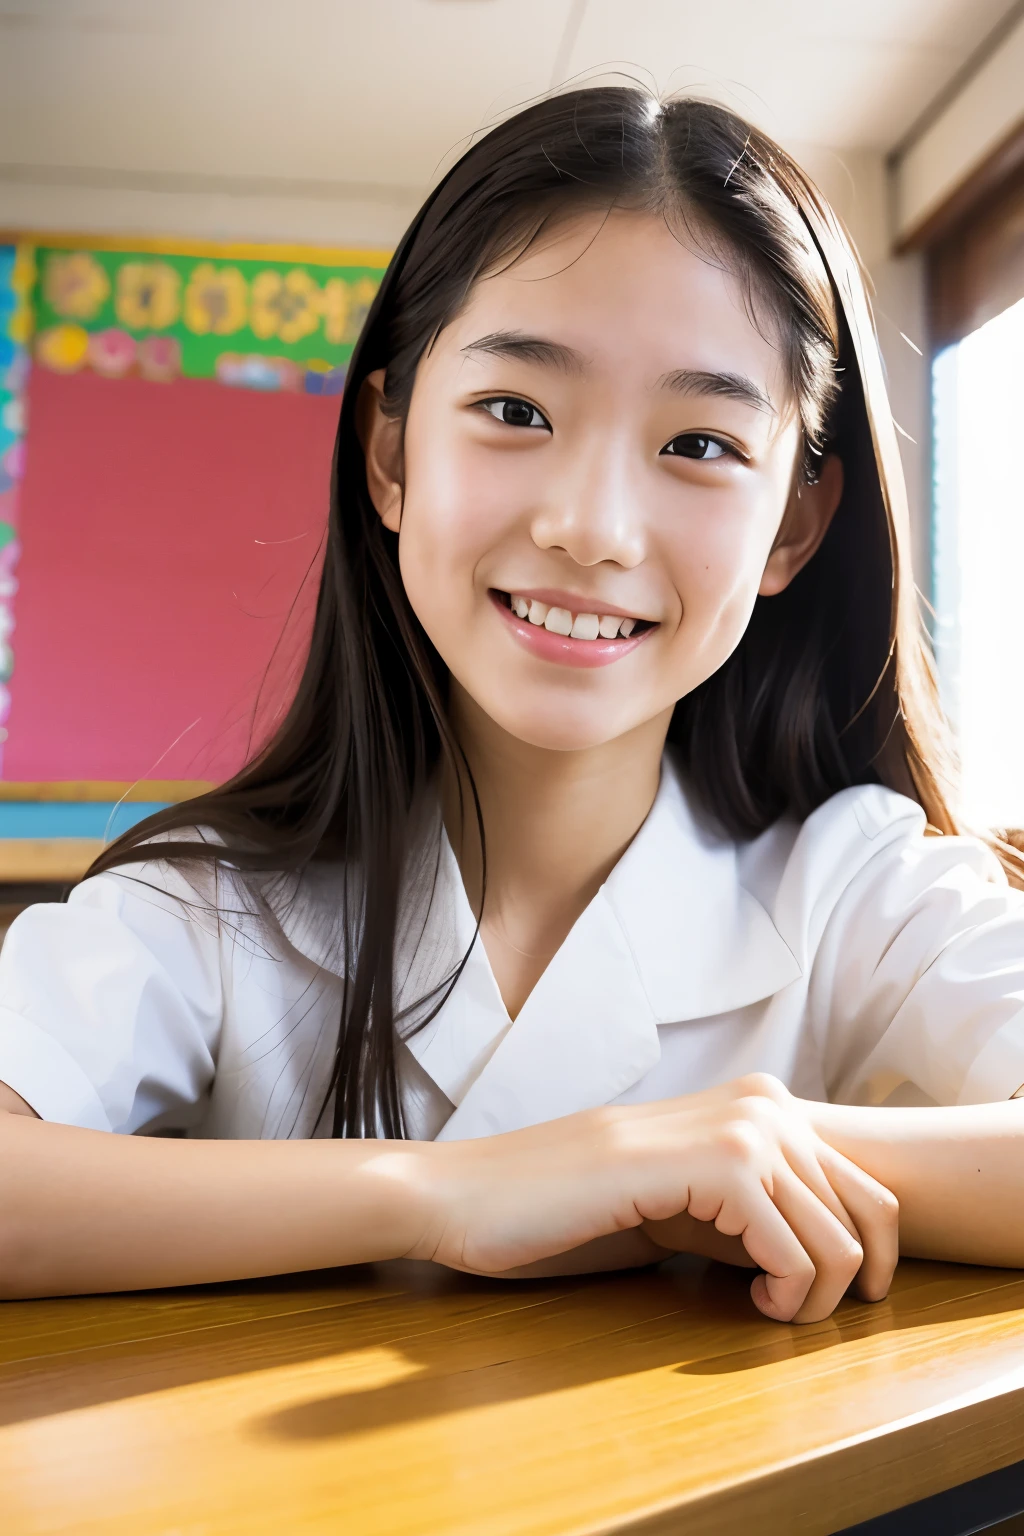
{"type": "Point", "coordinates": [454, 1342]}
{"type": "Point", "coordinates": [714, 1300]}
{"type": "Point", "coordinates": [406, 1397]}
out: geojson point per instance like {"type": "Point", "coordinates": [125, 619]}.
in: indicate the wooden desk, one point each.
{"type": "Point", "coordinates": [400, 1401]}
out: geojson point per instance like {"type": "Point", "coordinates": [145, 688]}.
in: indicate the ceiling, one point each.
{"type": "Point", "coordinates": [377, 95]}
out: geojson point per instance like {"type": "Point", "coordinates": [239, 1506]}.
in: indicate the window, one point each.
{"type": "Point", "coordinates": [979, 560]}
{"type": "Point", "coordinates": [976, 305]}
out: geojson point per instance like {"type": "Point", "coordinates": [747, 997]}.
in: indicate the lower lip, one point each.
{"type": "Point", "coordinates": [562, 648]}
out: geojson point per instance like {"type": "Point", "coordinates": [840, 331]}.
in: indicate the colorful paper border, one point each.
{"type": "Point", "coordinates": [265, 316]}
{"type": "Point", "coordinates": [257, 319]}
{"type": "Point", "coordinates": [17, 280]}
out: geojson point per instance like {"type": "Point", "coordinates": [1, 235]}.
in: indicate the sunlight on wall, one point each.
{"type": "Point", "coordinates": [979, 561]}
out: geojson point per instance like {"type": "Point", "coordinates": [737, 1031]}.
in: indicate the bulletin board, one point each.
{"type": "Point", "coordinates": [167, 416]}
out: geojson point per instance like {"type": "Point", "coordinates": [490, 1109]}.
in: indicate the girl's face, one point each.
{"type": "Point", "coordinates": [597, 478]}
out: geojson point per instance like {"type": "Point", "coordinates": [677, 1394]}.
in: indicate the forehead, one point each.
{"type": "Point", "coordinates": [632, 296]}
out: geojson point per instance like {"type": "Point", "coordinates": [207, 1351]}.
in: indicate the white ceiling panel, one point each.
{"type": "Point", "coordinates": [379, 94]}
{"type": "Point", "coordinates": [842, 74]}
{"type": "Point", "coordinates": [319, 89]}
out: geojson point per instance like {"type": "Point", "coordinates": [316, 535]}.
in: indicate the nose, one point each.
{"type": "Point", "coordinates": [592, 511]}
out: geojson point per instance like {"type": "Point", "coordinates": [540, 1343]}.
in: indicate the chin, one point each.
{"type": "Point", "coordinates": [558, 728]}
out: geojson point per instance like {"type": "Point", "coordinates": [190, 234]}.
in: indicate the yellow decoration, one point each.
{"type": "Point", "coordinates": [23, 280]}
{"type": "Point", "coordinates": [215, 301]}
{"type": "Point", "coordinates": [363, 294]}
{"type": "Point", "coordinates": [286, 307]}
{"type": "Point", "coordinates": [218, 250]}
{"type": "Point", "coordinates": [147, 295]}
{"type": "Point", "coordinates": [19, 327]}
{"type": "Point", "coordinates": [75, 285]}
{"type": "Point", "coordinates": [23, 273]}
{"type": "Point", "coordinates": [335, 303]}
{"type": "Point", "coordinates": [63, 348]}
{"type": "Point", "coordinates": [344, 307]}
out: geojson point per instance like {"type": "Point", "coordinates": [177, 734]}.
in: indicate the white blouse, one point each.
{"type": "Point", "coordinates": [852, 956]}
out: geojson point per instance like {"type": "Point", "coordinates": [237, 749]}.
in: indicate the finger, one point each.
{"type": "Point", "coordinates": [774, 1247]}
{"type": "Point", "coordinates": [875, 1212]}
{"type": "Point", "coordinates": [685, 1234]}
{"type": "Point", "coordinates": [836, 1254]}
{"type": "Point", "coordinates": [866, 1209]}
{"type": "Point", "coordinates": [805, 1161]}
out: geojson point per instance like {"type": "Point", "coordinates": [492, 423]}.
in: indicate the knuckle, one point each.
{"type": "Point", "coordinates": [762, 1085]}
{"type": "Point", "coordinates": [739, 1140]}
{"type": "Point", "coordinates": [851, 1256]}
{"type": "Point", "coordinates": [806, 1272]}
{"type": "Point", "coordinates": [888, 1208]}
{"type": "Point", "coordinates": [766, 1117]}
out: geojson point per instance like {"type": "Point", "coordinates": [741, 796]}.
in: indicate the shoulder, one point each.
{"type": "Point", "coordinates": [870, 823]}
{"type": "Point", "coordinates": [189, 887]}
{"type": "Point", "coordinates": [848, 830]}
{"type": "Point", "coordinates": [203, 902]}
{"type": "Point", "coordinates": [862, 838]}
{"type": "Point", "coordinates": [290, 917]}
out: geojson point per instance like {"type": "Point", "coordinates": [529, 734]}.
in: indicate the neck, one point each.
{"type": "Point", "coordinates": [555, 823]}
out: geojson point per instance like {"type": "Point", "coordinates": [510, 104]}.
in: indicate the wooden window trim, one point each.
{"type": "Point", "coordinates": [999, 167]}
{"type": "Point", "coordinates": [977, 271]}
{"type": "Point", "coordinates": [974, 246]}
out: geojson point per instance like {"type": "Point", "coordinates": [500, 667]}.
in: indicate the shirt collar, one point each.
{"type": "Point", "coordinates": [703, 944]}
{"type": "Point", "coordinates": [672, 935]}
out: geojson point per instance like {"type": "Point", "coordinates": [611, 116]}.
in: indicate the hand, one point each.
{"type": "Point", "coordinates": [866, 1209]}
{"type": "Point", "coordinates": [743, 1157]}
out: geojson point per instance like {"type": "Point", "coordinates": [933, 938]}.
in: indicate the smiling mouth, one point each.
{"type": "Point", "coordinates": [574, 626]}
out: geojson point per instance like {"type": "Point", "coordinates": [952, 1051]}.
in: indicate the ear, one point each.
{"type": "Point", "coordinates": [804, 524]}
{"type": "Point", "coordinates": [381, 437]}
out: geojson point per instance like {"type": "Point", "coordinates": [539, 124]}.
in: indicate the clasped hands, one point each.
{"type": "Point", "coordinates": [737, 1173]}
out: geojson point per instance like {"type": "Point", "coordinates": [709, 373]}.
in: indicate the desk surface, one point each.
{"type": "Point", "coordinates": [399, 1400]}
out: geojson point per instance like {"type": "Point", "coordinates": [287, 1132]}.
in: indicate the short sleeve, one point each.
{"type": "Point", "coordinates": [919, 975]}
{"type": "Point", "coordinates": [111, 1004]}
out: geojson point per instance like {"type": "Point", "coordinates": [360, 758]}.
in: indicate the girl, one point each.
{"type": "Point", "coordinates": [589, 904]}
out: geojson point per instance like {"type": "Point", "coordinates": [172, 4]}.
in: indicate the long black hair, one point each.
{"type": "Point", "coordinates": [831, 684]}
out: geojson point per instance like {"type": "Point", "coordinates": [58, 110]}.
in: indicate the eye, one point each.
{"type": "Point", "coordinates": [695, 445]}
{"type": "Point", "coordinates": [514, 412]}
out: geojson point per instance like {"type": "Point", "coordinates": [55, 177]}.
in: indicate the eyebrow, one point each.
{"type": "Point", "coordinates": [681, 381]}
{"type": "Point", "coordinates": [530, 349]}
{"type": "Point", "coordinates": [728, 386]}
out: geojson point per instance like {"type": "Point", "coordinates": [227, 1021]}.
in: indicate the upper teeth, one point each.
{"type": "Point", "coordinates": [581, 626]}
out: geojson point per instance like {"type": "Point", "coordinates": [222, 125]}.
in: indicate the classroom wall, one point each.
{"type": "Point", "coordinates": [211, 209]}
{"type": "Point", "coordinates": [858, 186]}
{"type": "Point", "coordinates": [855, 181]}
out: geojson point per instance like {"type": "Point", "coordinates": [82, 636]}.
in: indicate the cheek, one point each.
{"type": "Point", "coordinates": [717, 560]}
{"type": "Point", "coordinates": [456, 507]}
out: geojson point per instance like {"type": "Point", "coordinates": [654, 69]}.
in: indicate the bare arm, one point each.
{"type": "Point", "coordinates": [85, 1211]}
{"type": "Point", "coordinates": [14, 1104]}
{"type": "Point", "coordinates": [91, 1211]}
{"type": "Point", "coordinates": [204, 1235]}
{"type": "Point", "coordinates": [129, 1213]}
{"type": "Point", "coordinates": [957, 1173]}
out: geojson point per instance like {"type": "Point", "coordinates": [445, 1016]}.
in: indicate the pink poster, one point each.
{"type": "Point", "coordinates": [168, 531]}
